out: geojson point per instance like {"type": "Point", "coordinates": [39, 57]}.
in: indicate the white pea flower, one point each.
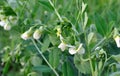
{"type": "Point", "coordinates": [7, 27]}
{"type": "Point", "coordinates": [117, 40]}
{"type": "Point", "coordinates": [73, 50]}
{"type": "Point", "coordinates": [62, 46]}
{"type": "Point", "coordinates": [37, 34]}
{"type": "Point", "coordinates": [26, 35]}
{"type": "Point", "coordinates": [2, 23]}
{"type": "Point", "coordinates": [81, 50]}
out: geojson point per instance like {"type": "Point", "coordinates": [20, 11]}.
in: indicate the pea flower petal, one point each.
{"type": "Point", "coordinates": [7, 27]}
{"type": "Point", "coordinates": [72, 50]}
{"type": "Point", "coordinates": [117, 40]}
{"type": "Point", "coordinates": [2, 23]}
{"type": "Point", "coordinates": [37, 34]}
{"type": "Point", "coordinates": [26, 35]}
{"type": "Point", "coordinates": [80, 50]}
{"type": "Point", "coordinates": [62, 46]}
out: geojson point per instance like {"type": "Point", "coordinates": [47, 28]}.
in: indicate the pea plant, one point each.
{"type": "Point", "coordinates": [59, 38]}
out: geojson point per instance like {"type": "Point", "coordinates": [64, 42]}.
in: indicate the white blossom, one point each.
{"type": "Point", "coordinates": [62, 46]}
{"type": "Point", "coordinates": [117, 40]}
{"type": "Point", "coordinates": [73, 50]}
{"type": "Point", "coordinates": [7, 27]}
{"type": "Point", "coordinates": [37, 34]}
{"type": "Point", "coordinates": [26, 35]}
{"type": "Point", "coordinates": [81, 51]}
{"type": "Point", "coordinates": [2, 23]}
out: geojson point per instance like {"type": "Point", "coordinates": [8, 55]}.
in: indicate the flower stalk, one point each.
{"type": "Point", "coordinates": [44, 58]}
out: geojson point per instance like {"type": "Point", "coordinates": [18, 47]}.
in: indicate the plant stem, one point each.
{"type": "Point", "coordinates": [55, 10]}
{"type": "Point", "coordinates": [87, 46]}
{"type": "Point", "coordinates": [98, 44]}
{"type": "Point", "coordinates": [91, 66]}
{"type": "Point", "coordinates": [44, 58]}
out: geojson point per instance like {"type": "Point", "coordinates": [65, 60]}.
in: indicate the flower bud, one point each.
{"type": "Point", "coordinates": [26, 35]}
{"type": "Point", "coordinates": [62, 46]}
{"type": "Point", "coordinates": [117, 40]}
{"type": "Point", "coordinates": [37, 34]}
{"type": "Point", "coordinates": [7, 27]}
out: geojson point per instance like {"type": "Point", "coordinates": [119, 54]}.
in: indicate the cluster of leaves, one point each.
{"type": "Point", "coordinates": [92, 26]}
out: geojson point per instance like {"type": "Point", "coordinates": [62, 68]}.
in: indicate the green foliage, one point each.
{"type": "Point", "coordinates": [54, 57]}
{"type": "Point", "coordinates": [116, 57]}
{"type": "Point", "coordinates": [45, 44]}
{"type": "Point", "coordinates": [72, 22]}
{"type": "Point", "coordinates": [115, 74]}
{"type": "Point", "coordinates": [41, 68]}
{"type": "Point", "coordinates": [67, 69]}
{"type": "Point", "coordinates": [81, 65]}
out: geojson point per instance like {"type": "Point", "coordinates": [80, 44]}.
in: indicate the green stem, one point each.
{"type": "Point", "coordinates": [78, 16]}
{"type": "Point", "coordinates": [98, 44]}
{"type": "Point", "coordinates": [105, 63]}
{"type": "Point", "coordinates": [55, 10]}
{"type": "Point", "coordinates": [44, 58]}
{"type": "Point", "coordinates": [87, 46]}
{"type": "Point", "coordinates": [89, 52]}
{"type": "Point", "coordinates": [91, 66]}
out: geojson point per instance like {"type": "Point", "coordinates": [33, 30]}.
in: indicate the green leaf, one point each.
{"type": "Point", "coordinates": [51, 60]}
{"type": "Point", "coordinates": [100, 25]}
{"type": "Point", "coordinates": [115, 74]}
{"type": "Point", "coordinates": [85, 20]}
{"type": "Point", "coordinates": [70, 70]}
{"type": "Point", "coordinates": [54, 39]}
{"type": "Point", "coordinates": [67, 69]}
{"type": "Point", "coordinates": [83, 6]}
{"type": "Point", "coordinates": [54, 57]}
{"type": "Point", "coordinates": [36, 61]}
{"type": "Point", "coordinates": [6, 67]}
{"type": "Point", "coordinates": [90, 37]}
{"type": "Point", "coordinates": [82, 66]}
{"type": "Point", "coordinates": [46, 5]}
{"type": "Point", "coordinates": [116, 57]}
{"type": "Point", "coordinates": [41, 68]}
{"type": "Point", "coordinates": [46, 43]}
{"type": "Point", "coordinates": [2, 3]}
{"type": "Point", "coordinates": [109, 27]}
{"type": "Point", "coordinates": [64, 69]}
